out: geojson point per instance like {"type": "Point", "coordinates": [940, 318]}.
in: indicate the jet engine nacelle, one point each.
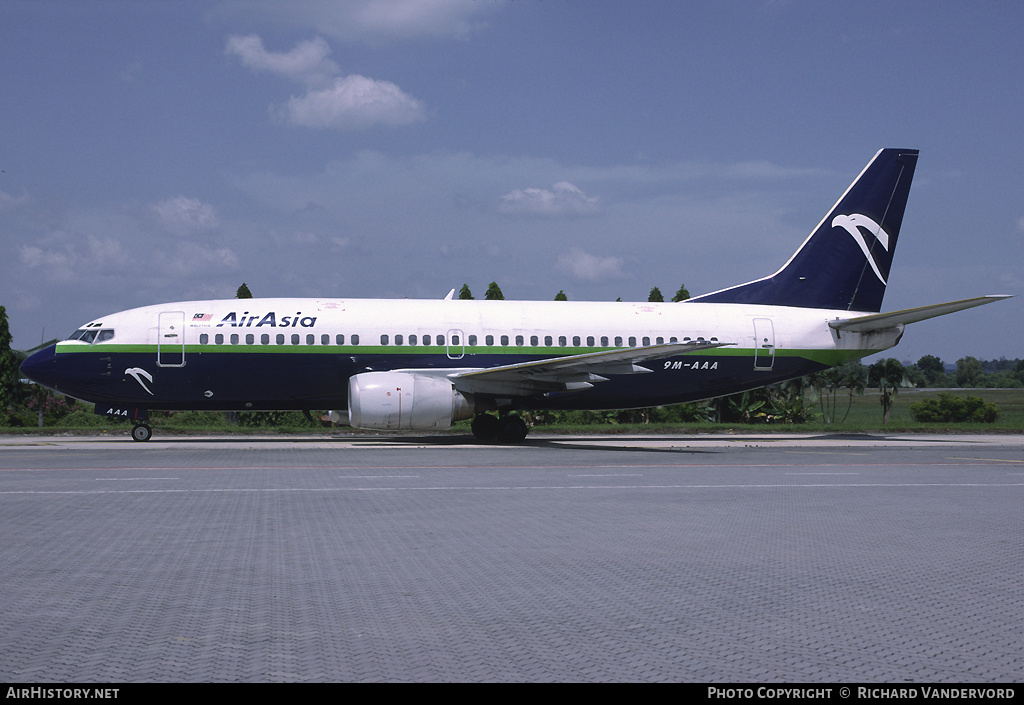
{"type": "Point", "coordinates": [405, 401]}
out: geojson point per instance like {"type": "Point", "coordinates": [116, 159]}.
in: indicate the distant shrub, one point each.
{"type": "Point", "coordinates": [258, 419]}
{"type": "Point", "coordinates": [949, 408]}
{"type": "Point", "coordinates": [85, 419]}
{"type": "Point", "coordinates": [55, 407]}
{"type": "Point", "coordinates": [672, 414]}
{"type": "Point", "coordinates": [16, 420]}
{"type": "Point", "coordinates": [288, 419]}
{"type": "Point", "coordinates": [197, 419]}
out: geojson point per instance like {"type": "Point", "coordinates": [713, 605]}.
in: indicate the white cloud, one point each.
{"type": "Point", "coordinates": [9, 201]}
{"type": "Point", "coordinates": [307, 62]}
{"type": "Point", "coordinates": [189, 259]}
{"type": "Point", "coordinates": [353, 102]}
{"type": "Point", "coordinates": [32, 256]}
{"type": "Point", "coordinates": [588, 267]}
{"type": "Point", "coordinates": [290, 238]}
{"type": "Point", "coordinates": [371, 20]}
{"type": "Point", "coordinates": [64, 260]}
{"type": "Point", "coordinates": [1011, 281]}
{"type": "Point", "coordinates": [564, 199]}
{"type": "Point", "coordinates": [184, 214]}
{"type": "Point", "coordinates": [331, 101]}
{"type": "Point", "coordinates": [409, 18]}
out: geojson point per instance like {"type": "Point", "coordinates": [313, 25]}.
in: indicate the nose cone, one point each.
{"type": "Point", "coordinates": [40, 368]}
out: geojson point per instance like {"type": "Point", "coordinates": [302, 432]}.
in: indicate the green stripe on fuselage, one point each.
{"type": "Point", "coordinates": [824, 357]}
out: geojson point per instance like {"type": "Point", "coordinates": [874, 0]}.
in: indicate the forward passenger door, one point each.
{"type": "Point", "coordinates": [170, 341]}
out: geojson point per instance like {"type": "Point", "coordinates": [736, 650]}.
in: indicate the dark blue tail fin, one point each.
{"type": "Point", "coordinates": [844, 264]}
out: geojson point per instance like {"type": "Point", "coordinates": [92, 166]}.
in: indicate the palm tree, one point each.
{"type": "Point", "coordinates": [826, 384]}
{"type": "Point", "coordinates": [887, 375]}
{"type": "Point", "coordinates": [853, 381]}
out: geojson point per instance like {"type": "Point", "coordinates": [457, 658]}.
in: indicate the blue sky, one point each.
{"type": "Point", "coordinates": [163, 151]}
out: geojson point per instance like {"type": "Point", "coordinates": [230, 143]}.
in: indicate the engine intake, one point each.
{"type": "Point", "coordinates": [405, 401]}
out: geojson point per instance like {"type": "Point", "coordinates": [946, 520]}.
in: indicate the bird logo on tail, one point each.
{"type": "Point", "coordinates": [854, 224]}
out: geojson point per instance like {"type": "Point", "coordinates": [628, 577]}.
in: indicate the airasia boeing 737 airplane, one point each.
{"type": "Point", "coordinates": [411, 365]}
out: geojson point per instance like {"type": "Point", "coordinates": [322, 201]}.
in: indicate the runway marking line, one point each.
{"type": "Point", "coordinates": [989, 460]}
{"type": "Point", "coordinates": [125, 479]}
{"type": "Point", "coordinates": [611, 474]}
{"type": "Point", "coordinates": [502, 488]}
{"type": "Point", "coordinates": [824, 452]}
{"type": "Point", "coordinates": [378, 477]}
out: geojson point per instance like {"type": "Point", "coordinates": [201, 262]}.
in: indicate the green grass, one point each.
{"type": "Point", "coordinates": [865, 416]}
{"type": "Point", "coordinates": [866, 411]}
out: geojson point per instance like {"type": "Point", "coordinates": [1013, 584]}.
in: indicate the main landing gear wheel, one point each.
{"type": "Point", "coordinates": [484, 427]}
{"type": "Point", "coordinates": [506, 429]}
{"type": "Point", "coordinates": [511, 429]}
{"type": "Point", "coordinates": [142, 433]}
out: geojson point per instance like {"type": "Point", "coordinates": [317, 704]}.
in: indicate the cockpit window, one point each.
{"type": "Point", "coordinates": [92, 335]}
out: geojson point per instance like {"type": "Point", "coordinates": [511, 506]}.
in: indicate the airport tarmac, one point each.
{"type": "Point", "coordinates": [712, 558]}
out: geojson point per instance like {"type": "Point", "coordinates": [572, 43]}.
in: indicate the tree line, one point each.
{"type": "Point", "coordinates": [493, 293]}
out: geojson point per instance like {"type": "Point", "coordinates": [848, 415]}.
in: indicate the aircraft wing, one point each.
{"type": "Point", "coordinates": [570, 373]}
{"type": "Point", "coordinates": [878, 321]}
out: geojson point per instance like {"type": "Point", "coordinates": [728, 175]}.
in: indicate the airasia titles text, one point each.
{"type": "Point", "coordinates": [271, 320]}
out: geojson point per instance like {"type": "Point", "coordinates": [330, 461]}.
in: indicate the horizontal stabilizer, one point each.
{"type": "Point", "coordinates": [879, 321]}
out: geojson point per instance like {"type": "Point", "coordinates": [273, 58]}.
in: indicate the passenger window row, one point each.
{"type": "Point", "coordinates": [279, 339]}
{"type": "Point", "coordinates": [520, 341]}
{"type": "Point", "coordinates": [535, 340]}
{"type": "Point", "coordinates": [414, 339]}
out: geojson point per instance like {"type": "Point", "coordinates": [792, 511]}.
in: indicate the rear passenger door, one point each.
{"type": "Point", "coordinates": [764, 344]}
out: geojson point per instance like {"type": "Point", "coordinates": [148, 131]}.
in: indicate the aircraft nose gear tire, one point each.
{"type": "Point", "coordinates": [141, 433]}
